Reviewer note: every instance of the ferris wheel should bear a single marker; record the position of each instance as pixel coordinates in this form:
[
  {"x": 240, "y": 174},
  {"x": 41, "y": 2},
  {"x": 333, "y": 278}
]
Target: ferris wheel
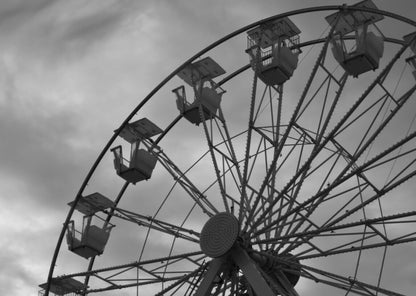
[{"x": 279, "y": 160}]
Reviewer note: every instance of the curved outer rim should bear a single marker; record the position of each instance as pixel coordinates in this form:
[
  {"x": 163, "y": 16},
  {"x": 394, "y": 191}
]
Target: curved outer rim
[{"x": 170, "y": 76}]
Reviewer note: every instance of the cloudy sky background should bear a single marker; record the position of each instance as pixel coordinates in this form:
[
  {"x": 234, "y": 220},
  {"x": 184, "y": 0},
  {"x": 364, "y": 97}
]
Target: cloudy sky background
[{"x": 70, "y": 72}]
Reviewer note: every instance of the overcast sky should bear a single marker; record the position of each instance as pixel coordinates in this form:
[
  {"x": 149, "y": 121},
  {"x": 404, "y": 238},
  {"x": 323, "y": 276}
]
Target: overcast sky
[{"x": 70, "y": 72}]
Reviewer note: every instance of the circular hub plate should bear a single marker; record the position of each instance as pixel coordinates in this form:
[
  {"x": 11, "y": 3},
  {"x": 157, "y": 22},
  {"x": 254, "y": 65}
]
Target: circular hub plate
[{"x": 219, "y": 235}]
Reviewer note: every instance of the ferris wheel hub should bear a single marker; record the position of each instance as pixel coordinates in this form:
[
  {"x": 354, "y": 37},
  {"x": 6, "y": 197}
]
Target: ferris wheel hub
[{"x": 219, "y": 234}]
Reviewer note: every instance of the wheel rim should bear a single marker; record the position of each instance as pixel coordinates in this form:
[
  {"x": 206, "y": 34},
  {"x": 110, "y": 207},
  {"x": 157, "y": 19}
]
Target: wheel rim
[{"x": 316, "y": 166}]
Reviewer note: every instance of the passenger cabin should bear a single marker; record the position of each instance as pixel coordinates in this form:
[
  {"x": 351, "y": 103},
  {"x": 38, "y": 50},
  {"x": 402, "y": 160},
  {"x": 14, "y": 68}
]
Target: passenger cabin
[
  {"x": 91, "y": 240},
  {"x": 207, "y": 94},
  {"x": 411, "y": 38},
  {"x": 357, "y": 44},
  {"x": 141, "y": 164},
  {"x": 273, "y": 50},
  {"x": 139, "y": 168}
]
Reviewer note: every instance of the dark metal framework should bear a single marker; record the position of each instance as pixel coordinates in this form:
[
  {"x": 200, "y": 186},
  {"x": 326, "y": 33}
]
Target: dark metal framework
[{"x": 308, "y": 184}]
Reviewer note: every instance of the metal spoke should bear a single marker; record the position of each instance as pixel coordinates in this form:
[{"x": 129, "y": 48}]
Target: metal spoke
[
  {"x": 181, "y": 281},
  {"x": 186, "y": 184},
  {"x": 248, "y": 142},
  {"x": 158, "y": 225},
  {"x": 288, "y": 129},
  {"x": 332, "y": 133},
  {"x": 325, "y": 192},
  {"x": 119, "y": 269},
  {"x": 344, "y": 283},
  {"x": 332, "y": 230}
]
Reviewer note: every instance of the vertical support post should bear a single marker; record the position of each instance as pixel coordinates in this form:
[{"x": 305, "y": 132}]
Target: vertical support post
[
  {"x": 250, "y": 271},
  {"x": 214, "y": 269}
]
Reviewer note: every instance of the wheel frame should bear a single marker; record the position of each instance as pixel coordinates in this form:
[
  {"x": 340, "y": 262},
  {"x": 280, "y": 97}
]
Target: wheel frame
[{"x": 106, "y": 148}]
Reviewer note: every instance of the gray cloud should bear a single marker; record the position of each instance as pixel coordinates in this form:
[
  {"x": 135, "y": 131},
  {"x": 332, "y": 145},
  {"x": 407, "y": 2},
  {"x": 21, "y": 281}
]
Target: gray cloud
[
  {"x": 14, "y": 12},
  {"x": 62, "y": 30},
  {"x": 34, "y": 148},
  {"x": 13, "y": 274},
  {"x": 24, "y": 252},
  {"x": 38, "y": 121}
]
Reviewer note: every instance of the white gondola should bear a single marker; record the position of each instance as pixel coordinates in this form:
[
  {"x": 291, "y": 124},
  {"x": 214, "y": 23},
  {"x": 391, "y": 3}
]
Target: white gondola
[
  {"x": 207, "y": 93},
  {"x": 357, "y": 45},
  {"x": 366, "y": 55},
  {"x": 139, "y": 168},
  {"x": 209, "y": 99},
  {"x": 273, "y": 50},
  {"x": 141, "y": 164},
  {"x": 90, "y": 241}
]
